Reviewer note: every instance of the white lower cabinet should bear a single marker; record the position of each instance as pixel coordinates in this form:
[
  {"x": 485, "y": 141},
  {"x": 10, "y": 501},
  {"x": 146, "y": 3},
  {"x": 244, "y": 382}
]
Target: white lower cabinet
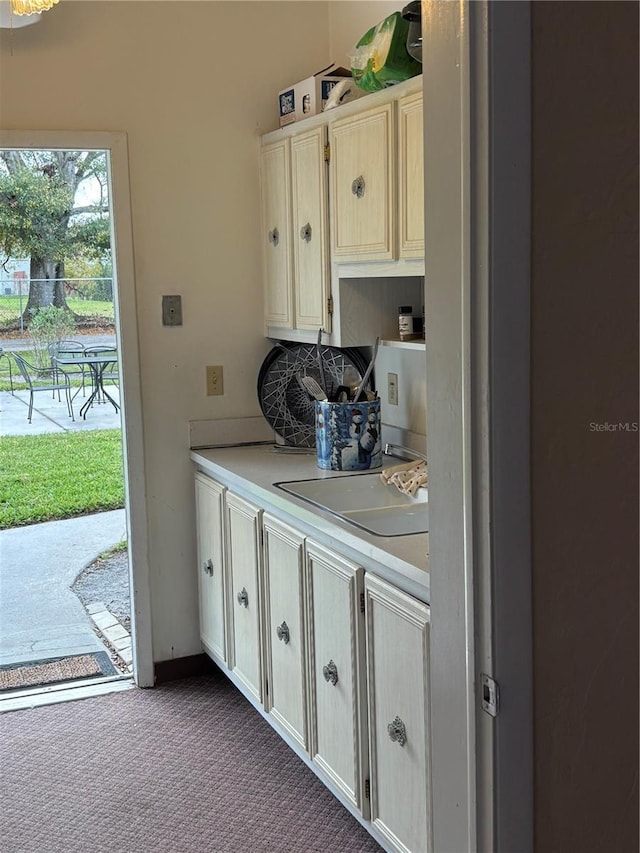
[
  {"x": 336, "y": 658},
  {"x": 244, "y": 564},
  {"x": 211, "y": 567},
  {"x": 398, "y": 679},
  {"x": 336, "y": 671},
  {"x": 285, "y": 641}
]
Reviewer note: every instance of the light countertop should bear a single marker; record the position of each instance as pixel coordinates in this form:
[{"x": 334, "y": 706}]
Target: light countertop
[{"x": 252, "y": 471}]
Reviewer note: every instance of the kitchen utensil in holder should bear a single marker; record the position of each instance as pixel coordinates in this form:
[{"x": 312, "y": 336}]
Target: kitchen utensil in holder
[{"x": 348, "y": 435}]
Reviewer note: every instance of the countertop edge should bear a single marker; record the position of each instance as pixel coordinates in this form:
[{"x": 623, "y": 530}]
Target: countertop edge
[{"x": 251, "y": 473}]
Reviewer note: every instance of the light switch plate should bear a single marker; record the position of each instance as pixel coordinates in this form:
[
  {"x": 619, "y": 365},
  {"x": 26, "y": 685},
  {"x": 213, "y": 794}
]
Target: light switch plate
[
  {"x": 392, "y": 389},
  {"x": 171, "y": 310},
  {"x": 215, "y": 380}
]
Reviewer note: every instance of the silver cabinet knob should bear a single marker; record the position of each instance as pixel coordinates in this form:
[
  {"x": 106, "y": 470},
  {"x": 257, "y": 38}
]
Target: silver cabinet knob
[
  {"x": 207, "y": 567},
  {"x": 305, "y": 233},
  {"x": 397, "y": 731},
  {"x": 243, "y": 597},
  {"x": 283, "y": 632},
  {"x": 274, "y": 237},
  {"x": 330, "y": 672},
  {"x": 358, "y": 186}
]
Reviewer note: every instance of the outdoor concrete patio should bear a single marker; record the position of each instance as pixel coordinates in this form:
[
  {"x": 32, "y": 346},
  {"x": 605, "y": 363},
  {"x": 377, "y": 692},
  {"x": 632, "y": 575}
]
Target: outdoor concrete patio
[
  {"x": 40, "y": 616},
  {"x": 50, "y": 414}
]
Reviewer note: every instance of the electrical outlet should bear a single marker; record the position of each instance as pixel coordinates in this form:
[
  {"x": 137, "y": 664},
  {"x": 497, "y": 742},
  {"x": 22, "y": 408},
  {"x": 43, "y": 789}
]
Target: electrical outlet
[
  {"x": 215, "y": 384},
  {"x": 392, "y": 388}
]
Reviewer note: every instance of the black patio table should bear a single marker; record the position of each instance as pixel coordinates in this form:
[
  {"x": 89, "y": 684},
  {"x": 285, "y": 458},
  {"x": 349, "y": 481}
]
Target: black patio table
[{"x": 97, "y": 364}]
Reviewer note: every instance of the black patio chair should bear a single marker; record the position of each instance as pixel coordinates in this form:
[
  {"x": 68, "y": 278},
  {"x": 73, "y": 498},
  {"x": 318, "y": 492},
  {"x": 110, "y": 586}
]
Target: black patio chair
[
  {"x": 70, "y": 349},
  {"x": 4, "y": 354},
  {"x": 44, "y": 379}
]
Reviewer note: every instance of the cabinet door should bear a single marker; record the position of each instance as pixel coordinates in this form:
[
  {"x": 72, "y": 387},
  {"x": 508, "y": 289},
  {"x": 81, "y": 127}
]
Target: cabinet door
[
  {"x": 336, "y": 671},
  {"x": 398, "y": 678},
  {"x": 310, "y": 227},
  {"x": 276, "y": 233},
  {"x": 411, "y": 176},
  {"x": 211, "y": 578},
  {"x": 362, "y": 186},
  {"x": 285, "y": 644},
  {"x": 245, "y": 570}
]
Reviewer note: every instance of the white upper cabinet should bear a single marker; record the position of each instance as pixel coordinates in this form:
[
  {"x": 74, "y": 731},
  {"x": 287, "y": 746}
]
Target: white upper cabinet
[
  {"x": 294, "y": 232},
  {"x": 342, "y": 198},
  {"x": 362, "y": 186},
  {"x": 410, "y": 177},
  {"x": 276, "y": 234},
  {"x": 310, "y": 230}
]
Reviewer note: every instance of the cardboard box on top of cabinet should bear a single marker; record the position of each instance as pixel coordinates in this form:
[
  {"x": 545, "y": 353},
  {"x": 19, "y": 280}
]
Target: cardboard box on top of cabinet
[{"x": 308, "y": 97}]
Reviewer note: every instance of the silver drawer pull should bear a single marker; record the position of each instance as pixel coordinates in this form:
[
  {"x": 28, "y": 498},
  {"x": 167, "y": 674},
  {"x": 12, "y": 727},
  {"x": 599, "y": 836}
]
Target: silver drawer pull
[
  {"x": 330, "y": 672},
  {"x": 283, "y": 632},
  {"x": 305, "y": 233},
  {"x": 207, "y": 567},
  {"x": 397, "y": 731},
  {"x": 274, "y": 237},
  {"x": 243, "y": 597},
  {"x": 357, "y": 187}
]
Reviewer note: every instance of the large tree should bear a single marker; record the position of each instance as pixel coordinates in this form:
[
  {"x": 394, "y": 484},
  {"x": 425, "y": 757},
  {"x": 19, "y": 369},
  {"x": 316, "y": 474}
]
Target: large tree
[{"x": 39, "y": 216}]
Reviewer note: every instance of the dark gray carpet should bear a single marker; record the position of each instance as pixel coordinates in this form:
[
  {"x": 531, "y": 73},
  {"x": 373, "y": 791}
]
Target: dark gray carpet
[{"x": 188, "y": 767}]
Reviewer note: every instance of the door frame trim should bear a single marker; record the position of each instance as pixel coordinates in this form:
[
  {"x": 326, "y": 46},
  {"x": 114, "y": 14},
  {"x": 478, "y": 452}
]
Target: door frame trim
[
  {"x": 125, "y": 307},
  {"x": 476, "y": 80}
]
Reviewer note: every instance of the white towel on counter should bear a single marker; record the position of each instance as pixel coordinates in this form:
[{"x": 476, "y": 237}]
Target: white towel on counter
[{"x": 408, "y": 477}]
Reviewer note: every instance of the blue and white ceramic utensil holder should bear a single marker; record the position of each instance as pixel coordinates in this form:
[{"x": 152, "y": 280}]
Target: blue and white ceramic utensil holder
[{"x": 348, "y": 435}]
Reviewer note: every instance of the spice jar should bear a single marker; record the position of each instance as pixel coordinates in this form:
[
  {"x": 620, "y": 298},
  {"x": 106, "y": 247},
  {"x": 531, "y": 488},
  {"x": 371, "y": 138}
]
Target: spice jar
[{"x": 405, "y": 322}]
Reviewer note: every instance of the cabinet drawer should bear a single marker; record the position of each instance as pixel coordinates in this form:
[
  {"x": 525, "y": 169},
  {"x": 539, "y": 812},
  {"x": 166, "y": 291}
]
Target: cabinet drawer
[
  {"x": 245, "y": 564},
  {"x": 336, "y": 677},
  {"x": 285, "y": 643},
  {"x": 398, "y": 692},
  {"x": 211, "y": 573}
]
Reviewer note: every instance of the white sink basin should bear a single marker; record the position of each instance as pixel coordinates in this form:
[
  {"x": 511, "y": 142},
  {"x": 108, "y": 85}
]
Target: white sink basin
[{"x": 364, "y": 500}]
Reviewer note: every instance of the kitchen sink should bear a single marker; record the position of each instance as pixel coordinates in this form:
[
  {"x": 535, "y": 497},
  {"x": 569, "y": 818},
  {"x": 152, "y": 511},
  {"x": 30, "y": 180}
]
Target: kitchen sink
[{"x": 367, "y": 502}]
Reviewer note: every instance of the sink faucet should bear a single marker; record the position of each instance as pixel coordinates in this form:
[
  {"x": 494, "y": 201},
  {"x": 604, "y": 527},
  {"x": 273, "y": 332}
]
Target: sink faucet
[{"x": 403, "y": 452}]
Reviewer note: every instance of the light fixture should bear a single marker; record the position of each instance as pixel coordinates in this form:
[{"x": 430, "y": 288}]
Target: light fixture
[{"x": 22, "y": 13}]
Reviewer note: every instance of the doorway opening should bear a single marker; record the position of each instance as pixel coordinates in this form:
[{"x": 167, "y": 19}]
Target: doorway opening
[{"x": 66, "y": 610}]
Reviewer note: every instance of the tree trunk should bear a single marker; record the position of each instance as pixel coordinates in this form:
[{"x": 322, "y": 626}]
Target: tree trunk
[
  {"x": 46, "y": 287},
  {"x": 59, "y": 296}
]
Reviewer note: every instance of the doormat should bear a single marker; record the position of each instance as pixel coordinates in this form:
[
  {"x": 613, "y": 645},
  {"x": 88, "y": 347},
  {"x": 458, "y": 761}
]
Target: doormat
[{"x": 55, "y": 670}]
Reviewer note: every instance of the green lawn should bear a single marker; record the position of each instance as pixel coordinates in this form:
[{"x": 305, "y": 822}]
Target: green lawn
[
  {"x": 59, "y": 475},
  {"x": 10, "y": 309}
]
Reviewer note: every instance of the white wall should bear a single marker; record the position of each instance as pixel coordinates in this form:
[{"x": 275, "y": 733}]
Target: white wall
[
  {"x": 349, "y": 20},
  {"x": 410, "y": 367},
  {"x": 193, "y": 85}
]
